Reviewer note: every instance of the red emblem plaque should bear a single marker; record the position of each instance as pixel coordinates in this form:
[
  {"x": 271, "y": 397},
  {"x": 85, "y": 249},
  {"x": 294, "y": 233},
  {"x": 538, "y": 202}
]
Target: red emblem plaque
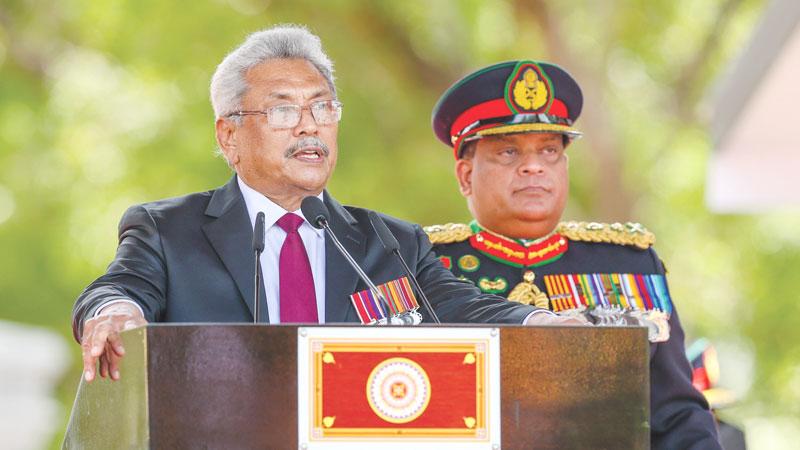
[{"x": 401, "y": 385}]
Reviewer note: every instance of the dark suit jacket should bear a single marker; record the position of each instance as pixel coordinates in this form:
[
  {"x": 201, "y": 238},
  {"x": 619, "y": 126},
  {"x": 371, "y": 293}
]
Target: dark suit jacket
[
  {"x": 679, "y": 414},
  {"x": 189, "y": 259}
]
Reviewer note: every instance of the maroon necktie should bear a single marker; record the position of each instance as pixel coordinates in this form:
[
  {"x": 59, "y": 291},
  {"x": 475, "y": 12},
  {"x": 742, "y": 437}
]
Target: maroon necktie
[{"x": 298, "y": 300}]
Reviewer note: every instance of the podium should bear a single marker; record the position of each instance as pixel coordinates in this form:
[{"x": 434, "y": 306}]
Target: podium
[{"x": 236, "y": 386}]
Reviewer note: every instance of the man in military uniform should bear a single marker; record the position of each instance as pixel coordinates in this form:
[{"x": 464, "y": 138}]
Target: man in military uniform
[{"x": 509, "y": 125}]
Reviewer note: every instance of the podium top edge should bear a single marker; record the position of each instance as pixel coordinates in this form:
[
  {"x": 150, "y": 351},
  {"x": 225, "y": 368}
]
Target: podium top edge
[{"x": 355, "y": 325}]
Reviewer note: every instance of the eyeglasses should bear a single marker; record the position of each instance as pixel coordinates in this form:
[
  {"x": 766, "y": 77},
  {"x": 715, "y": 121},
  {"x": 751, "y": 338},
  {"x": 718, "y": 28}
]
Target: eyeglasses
[{"x": 325, "y": 112}]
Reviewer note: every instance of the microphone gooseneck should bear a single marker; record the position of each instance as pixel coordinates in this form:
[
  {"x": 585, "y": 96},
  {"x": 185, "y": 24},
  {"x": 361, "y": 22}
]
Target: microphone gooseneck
[
  {"x": 386, "y": 237},
  {"x": 317, "y": 214},
  {"x": 391, "y": 245},
  {"x": 258, "y": 247}
]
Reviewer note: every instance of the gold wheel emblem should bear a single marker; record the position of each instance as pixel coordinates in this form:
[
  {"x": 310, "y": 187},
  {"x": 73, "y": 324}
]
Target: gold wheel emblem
[{"x": 398, "y": 390}]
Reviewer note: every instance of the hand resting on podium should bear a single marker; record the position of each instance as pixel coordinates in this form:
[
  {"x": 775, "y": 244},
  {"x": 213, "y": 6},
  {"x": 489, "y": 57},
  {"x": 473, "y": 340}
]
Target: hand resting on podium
[
  {"x": 101, "y": 341},
  {"x": 547, "y": 319}
]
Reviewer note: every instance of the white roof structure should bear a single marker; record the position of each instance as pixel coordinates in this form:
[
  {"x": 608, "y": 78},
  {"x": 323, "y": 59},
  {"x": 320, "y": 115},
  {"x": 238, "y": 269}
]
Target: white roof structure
[{"x": 755, "y": 165}]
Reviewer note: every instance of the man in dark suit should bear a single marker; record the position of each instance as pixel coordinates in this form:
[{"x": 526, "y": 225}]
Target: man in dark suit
[
  {"x": 509, "y": 125},
  {"x": 189, "y": 259}
]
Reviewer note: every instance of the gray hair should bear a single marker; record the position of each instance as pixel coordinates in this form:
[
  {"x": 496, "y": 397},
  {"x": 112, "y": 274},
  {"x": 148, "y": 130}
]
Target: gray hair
[{"x": 228, "y": 84}]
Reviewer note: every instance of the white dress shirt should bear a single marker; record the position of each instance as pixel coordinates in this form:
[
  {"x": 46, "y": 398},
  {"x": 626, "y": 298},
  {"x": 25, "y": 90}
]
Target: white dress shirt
[{"x": 313, "y": 241}]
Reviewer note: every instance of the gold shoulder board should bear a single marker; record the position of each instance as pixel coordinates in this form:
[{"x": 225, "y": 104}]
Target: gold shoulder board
[
  {"x": 628, "y": 233},
  {"x": 448, "y": 233}
]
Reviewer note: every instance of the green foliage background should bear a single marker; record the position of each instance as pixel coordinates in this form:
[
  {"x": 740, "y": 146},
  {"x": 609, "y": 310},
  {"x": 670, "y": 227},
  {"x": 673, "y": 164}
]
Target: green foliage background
[{"x": 105, "y": 103}]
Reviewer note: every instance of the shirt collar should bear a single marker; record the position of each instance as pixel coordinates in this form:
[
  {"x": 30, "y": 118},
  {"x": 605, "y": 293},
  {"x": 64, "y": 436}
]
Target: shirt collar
[{"x": 257, "y": 202}]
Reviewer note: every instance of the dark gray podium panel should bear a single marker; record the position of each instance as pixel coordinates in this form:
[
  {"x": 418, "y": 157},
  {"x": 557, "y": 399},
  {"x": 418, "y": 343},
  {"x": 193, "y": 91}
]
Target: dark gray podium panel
[
  {"x": 235, "y": 386},
  {"x": 575, "y": 388}
]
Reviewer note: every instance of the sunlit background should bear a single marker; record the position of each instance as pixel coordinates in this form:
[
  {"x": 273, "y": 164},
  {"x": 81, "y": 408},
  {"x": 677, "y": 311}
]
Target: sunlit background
[{"x": 104, "y": 104}]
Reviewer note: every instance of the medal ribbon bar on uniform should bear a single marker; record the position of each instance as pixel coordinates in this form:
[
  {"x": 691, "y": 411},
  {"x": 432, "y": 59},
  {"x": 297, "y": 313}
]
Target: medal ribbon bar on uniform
[
  {"x": 643, "y": 292},
  {"x": 399, "y": 296}
]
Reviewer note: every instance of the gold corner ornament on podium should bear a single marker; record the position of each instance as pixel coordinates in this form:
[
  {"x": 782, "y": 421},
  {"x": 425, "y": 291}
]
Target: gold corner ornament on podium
[
  {"x": 430, "y": 388},
  {"x": 549, "y": 273}
]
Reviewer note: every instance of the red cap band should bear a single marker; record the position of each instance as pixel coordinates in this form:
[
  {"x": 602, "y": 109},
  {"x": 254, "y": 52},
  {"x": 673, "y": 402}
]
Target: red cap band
[{"x": 486, "y": 110}]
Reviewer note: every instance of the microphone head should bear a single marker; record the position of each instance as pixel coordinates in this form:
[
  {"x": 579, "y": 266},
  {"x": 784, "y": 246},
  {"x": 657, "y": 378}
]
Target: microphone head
[
  {"x": 258, "y": 233},
  {"x": 384, "y": 234},
  {"x": 315, "y": 211}
]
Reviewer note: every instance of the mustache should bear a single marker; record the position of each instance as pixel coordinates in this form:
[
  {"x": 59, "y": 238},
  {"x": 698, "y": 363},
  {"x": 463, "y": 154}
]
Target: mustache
[{"x": 310, "y": 141}]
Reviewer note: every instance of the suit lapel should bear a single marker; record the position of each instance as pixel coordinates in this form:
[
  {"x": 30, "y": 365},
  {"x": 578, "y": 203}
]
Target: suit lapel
[
  {"x": 231, "y": 235},
  {"x": 340, "y": 278}
]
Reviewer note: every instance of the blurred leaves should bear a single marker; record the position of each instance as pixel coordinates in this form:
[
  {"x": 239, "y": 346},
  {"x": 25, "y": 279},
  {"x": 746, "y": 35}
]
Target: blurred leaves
[{"x": 105, "y": 104}]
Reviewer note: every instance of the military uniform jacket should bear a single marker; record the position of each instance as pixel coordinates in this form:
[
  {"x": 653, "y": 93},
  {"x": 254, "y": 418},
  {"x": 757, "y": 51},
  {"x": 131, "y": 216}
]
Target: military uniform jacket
[{"x": 679, "y": 416}]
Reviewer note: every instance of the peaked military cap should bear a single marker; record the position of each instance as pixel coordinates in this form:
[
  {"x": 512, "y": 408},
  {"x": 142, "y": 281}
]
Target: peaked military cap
[{"x": 509, "y": 97}]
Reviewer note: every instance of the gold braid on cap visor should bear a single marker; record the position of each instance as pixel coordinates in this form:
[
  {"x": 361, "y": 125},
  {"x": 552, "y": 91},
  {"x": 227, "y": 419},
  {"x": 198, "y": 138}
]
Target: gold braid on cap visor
[{"x": 519, "y": 123}]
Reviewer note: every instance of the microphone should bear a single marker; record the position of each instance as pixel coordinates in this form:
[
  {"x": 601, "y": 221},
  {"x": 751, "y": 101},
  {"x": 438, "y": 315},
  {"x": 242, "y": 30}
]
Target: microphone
[
  {"x": 315, "y": 212},
  {"x": 317, "y": 215},
  {"x": 392, "y": 246},
  {"x": 258, "y": 247}
]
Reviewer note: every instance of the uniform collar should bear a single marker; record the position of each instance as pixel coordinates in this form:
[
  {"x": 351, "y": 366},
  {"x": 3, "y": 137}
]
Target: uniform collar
[
  {"x": 478, "y": 228},
  {"x": 518, "y": 253}
]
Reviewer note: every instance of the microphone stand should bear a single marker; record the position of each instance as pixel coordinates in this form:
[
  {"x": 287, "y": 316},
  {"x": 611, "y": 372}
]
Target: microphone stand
[
  {"x": 384, "y": 303},
  {"x": 258, "y": 247},
  {"x": 256, "y": 303},
  {"x": 390, "y": 244},
  {"x": 314, "y": 209},
  {"x": 414, "y": 281}
]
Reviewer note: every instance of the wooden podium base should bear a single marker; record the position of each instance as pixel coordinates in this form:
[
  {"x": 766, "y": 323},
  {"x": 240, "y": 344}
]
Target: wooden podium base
[{"x": 235, "y": 386}]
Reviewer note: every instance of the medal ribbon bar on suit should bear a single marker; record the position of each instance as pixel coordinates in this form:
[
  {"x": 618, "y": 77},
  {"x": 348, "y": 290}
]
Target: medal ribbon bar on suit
[
  {"x": 367, "y": 306},
  {"x": 514, "y": 253},
  {"x": 399, "y": 295}
]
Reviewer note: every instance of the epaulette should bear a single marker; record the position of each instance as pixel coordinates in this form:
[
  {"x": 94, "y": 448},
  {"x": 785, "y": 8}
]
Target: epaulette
[
  {"x": 448, "y": 233},
  {"x": 629, "y": 233}
]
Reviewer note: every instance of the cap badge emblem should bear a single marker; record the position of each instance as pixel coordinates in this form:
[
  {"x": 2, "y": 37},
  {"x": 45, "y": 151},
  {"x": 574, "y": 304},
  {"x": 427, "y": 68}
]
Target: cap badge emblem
[{"x": 528, "y": 90}]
